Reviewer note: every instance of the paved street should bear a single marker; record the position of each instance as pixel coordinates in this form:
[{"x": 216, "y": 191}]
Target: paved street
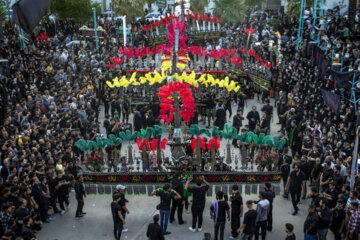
[{"x": 97, "y": 224}]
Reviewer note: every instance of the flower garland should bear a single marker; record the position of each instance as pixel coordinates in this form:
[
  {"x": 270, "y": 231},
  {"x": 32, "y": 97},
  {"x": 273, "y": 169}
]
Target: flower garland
[{"x": 166, "y": 104}]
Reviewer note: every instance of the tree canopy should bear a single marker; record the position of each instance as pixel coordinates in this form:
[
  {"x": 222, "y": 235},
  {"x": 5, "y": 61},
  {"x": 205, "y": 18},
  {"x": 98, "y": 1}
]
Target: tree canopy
[
  {"x": 130, "y": 8},
  {"x": 79, "y": 11},
  {"x": 231, "y": 10},
  {"x": 198, "y": 6}
]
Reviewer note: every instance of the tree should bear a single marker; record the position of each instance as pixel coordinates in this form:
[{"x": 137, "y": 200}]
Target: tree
[
  {"x": 79, "y": 11},
  {"x": 293, "y": 7},
  {"x": 231, "y": 10},
  {"x": 352, "y": 10},
  {"x": 198, "y": 6},
  {"x": 130, "y": 8},
  {"x": 254, "y": 2}
]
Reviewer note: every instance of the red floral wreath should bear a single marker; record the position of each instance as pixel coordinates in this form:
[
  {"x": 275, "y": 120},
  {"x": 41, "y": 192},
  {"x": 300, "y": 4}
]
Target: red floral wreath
[{"x": 166, "y": 105}]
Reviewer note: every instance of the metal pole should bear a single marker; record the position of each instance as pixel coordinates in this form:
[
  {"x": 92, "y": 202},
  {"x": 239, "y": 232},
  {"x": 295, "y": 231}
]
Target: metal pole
[
  {"x": 95, "y": 28},
  {"x": 182, "y": 10},
  {"x": 354, "y": 162},
  {"x": 8, "y": 9},
  {"x": 124, "y": 29}
]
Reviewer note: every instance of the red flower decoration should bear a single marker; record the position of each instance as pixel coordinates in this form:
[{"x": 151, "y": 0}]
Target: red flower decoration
[
  {"x": 187, "y": 108},
  {"x": 148, "y": 178},
  {"x": 238, "y": 178},
  {"x": 250, "y": 31},
  {"x": 123, "y": 178},
  {"x": 212, "y": 178},
  {"x": 43, "y": 36}
]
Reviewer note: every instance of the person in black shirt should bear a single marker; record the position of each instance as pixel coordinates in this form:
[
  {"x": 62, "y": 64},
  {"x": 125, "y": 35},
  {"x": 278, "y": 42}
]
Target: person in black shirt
[
  {"x": 199, "y": 198},
  {"x": 316, "y": 173},
  {"x": 40, "y": 199},
  {"x": 267, "y": 108},
  {"x": 237, "y": 123},
  {"x": 137, "y": 119},
  {"x": 337, "y": 178},
  {"x": 22, "y": 212},
  {"x": 27, "y": 232},
  {"x": 118, "y": 219},
  {"x": 236, "y": 211},
  {"x": 154, "y": 231},
  {"x": 311, "y": 223},
  {"x": 165, "y": 194},
  {"x": 297, "y": 183},
  {"x": 315, "y": 197},
  {"x": 285, "y": 170},
  {"x": 326, "y": 176},
  {"x": 324, "y": 219},
  {"x": 178, "y": 186},
  {"x": 254, "y": 118},
  {"x": 269, "y": 195},
  {"x": 80, "y": 195},
  {"x": 289, "y": 228},
  {"x": 249, "y": 223},
  {"x": 62, "y": 183},
  {"x": 331, "y": 194},
  {"x": 218, "y": 211},
  {"x": 338, "y": 220},
  {"x": 220, "y": 117}
]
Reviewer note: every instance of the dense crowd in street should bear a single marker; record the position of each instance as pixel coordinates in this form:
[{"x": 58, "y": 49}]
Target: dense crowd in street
[{"x": 53, "y": 95}]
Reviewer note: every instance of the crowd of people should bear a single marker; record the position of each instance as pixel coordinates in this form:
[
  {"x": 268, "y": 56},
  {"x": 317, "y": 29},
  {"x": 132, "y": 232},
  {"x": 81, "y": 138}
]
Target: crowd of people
[{"x": 52, "y": 95}]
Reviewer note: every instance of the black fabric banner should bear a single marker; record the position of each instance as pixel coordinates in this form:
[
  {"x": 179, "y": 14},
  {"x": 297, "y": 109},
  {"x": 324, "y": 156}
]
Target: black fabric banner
[
  {"x": 341, "y": 79},
  {"x": 165, "y": 177},
  {"x": 331, "y": 99}
]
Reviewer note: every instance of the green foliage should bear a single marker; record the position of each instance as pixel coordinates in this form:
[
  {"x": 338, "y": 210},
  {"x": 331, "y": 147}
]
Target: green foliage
[
  {"x": 293, "y": 7},
  {"x": 215, "y": 132},
  {"x": 129, "y": 8},
  {"x": 197, "y": 131},
  {"x": 229, "y": 133},
  {"x": 127, "y": 136},
  {"x": 116, "y": 141},
  {"x": 157, "y": 130},
  {"x": 79, "y": 11},
  {"x": 261, "y": 140},
  {"x": 242, "y": 138},
  {"x": 275, "y": 23},
  {"x": 232, "y": 10},
  {"x": 198, "y": 6},
  {"x": 254, "y": 2}
]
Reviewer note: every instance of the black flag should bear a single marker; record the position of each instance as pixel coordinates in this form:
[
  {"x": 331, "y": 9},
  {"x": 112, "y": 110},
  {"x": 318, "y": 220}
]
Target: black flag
[
  {"x": 28, "y": 13},
  {"x": 331, "y": 99},
  {"x": 341, "y": 79}
]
